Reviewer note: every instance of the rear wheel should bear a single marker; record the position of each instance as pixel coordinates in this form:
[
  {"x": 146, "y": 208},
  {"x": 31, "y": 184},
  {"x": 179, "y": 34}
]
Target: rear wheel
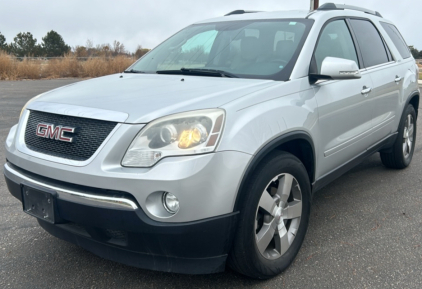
[
  {"x": 273, "y": 219},
  {"x": 404, "y": 146}
]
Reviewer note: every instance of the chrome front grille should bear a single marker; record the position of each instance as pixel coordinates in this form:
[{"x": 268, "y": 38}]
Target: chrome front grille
[{"x": 88, "y": 136}]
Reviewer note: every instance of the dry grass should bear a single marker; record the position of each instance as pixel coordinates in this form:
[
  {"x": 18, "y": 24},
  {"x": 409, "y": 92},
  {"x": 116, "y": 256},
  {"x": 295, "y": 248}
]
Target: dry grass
[
  {"x": 68, "y": 66},
  {"x": 8, "y": 68},
  {"x": 29, "y": 69},
  {"x": 420, "y": 68},
  {"x": 64, "y": 67}
]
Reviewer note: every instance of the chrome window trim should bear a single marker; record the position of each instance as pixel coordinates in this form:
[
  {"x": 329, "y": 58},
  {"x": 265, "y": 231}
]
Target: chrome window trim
[
  {"x": 120, "y": 202},
  {"x": 21, "y": 145},
  {"x": 381, "y": 65}
]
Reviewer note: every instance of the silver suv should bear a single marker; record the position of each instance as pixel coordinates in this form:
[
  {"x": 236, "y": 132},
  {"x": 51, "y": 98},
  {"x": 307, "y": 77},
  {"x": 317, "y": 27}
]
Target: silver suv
[{"x": 208, "y": 150}]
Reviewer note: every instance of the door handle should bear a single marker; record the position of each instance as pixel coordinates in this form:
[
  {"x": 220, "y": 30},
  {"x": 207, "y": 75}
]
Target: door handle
[
  {"x": 398, "y": 79},
  {"x": 366, "y": 90}
]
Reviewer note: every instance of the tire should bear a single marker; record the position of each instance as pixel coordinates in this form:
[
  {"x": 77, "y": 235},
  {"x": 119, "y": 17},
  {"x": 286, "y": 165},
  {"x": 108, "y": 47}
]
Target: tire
[
  {"x": 401, "y": 153},
  {"x": 250, "y": 255}
]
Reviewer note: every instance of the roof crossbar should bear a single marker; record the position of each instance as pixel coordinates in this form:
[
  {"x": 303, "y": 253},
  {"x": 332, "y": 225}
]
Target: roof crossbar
[
  {"x": 333, "y": 6},
  {"x": 235, "y": 12}
]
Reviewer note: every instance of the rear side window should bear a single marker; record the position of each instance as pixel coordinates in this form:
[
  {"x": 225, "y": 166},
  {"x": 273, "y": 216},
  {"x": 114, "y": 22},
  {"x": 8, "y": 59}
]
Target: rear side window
[
  {"x": 370, "y": 42},
  {"x": 397, "y": 39},
  {"x": 335, "y": 41}
]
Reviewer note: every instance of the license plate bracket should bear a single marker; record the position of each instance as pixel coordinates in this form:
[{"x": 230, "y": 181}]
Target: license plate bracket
[{"x": 39, "y": 203}]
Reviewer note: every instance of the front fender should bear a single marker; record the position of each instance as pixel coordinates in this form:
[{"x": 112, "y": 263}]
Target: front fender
[{"x": 256, "y": 119}]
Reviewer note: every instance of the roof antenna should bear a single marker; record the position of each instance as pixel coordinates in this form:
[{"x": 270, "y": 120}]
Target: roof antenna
[{"x": 314, "y": 5}]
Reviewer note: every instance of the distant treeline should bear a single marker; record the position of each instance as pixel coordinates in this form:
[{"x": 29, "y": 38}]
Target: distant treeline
[
  {"x": 53, "y": 45},
  {"x": 416, "y": 53}
]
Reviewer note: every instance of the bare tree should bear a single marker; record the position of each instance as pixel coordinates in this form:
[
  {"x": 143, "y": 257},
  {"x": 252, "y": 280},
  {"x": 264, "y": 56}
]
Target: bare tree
[
  {"x": 118, "y": 48},
  {"x": 141, "y": 51},
  {"x": 80, "y": 51}
]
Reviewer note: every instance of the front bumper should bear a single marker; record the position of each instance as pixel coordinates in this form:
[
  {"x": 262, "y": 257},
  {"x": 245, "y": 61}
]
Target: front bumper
[
  {"x": 206, "y": 185},
  {"x": 122, "y": 232}
]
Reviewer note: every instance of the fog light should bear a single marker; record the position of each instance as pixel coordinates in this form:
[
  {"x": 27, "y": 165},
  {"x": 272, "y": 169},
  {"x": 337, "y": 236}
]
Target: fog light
[{"x": 170, "y": 203}]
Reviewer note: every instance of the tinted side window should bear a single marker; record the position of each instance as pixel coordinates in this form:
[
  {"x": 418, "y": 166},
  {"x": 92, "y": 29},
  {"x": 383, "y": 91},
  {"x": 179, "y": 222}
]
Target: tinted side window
[
  {"x": 335, "y": 41},
  {"x": 397, "y": 39},
  {"x": 370, "y": 43}
]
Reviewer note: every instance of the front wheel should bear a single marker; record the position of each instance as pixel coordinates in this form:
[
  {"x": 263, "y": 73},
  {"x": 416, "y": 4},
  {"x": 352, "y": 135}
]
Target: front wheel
[
  {"x": 273, "y": 219},
  {"x": 404, "y": 146}
]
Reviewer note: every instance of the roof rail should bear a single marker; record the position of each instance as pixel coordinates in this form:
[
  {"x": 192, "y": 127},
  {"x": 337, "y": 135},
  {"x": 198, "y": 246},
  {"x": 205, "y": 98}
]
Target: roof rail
[
  {"x": 333, "y": 6},
  {"x": 235, "y": 12}
]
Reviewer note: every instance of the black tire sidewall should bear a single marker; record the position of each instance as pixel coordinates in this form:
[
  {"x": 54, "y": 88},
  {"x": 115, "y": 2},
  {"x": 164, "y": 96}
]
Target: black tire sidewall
[{"x": 399, "y": 142}]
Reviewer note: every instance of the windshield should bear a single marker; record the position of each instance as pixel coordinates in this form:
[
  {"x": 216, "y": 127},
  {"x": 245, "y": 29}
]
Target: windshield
[{"x": 265, "y": 49}]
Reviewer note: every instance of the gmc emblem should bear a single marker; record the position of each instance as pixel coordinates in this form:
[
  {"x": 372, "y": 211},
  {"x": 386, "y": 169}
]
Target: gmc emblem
[{"x": 54, "y": 132}]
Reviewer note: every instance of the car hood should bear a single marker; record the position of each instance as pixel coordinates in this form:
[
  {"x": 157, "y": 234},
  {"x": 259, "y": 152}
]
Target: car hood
[{"x": 145, "y": 97}]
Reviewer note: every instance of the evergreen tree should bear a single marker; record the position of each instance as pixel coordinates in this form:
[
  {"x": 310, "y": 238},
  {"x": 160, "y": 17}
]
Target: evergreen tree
[
  {"x": 3, "y": 44},
  {"x": 25, "y": 45},
  {"x": 414, "y": 52},
  {"x": 53, "y": 45}
]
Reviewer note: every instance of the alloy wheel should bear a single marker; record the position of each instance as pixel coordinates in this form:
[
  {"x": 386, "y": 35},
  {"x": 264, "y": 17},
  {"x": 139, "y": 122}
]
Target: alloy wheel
[
  {"x": 278, "y": 216},
  {"x": 409, "y": 128}
]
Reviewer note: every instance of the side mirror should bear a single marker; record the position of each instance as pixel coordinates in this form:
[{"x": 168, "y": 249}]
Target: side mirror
[{"x": 333, "y": 68}]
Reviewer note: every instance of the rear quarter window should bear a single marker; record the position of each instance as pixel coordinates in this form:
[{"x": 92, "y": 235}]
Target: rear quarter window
[
  {"x": 397, "y": 39},
  {"x": 370, "y": 42}
]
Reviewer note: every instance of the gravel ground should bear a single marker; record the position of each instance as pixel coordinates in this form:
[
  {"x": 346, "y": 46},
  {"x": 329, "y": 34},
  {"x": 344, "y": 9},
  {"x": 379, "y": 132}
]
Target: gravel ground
[{"x": 365, "y": 232}]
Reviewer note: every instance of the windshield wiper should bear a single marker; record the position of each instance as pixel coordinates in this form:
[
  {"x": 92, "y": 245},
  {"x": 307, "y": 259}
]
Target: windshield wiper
[
  {"x": 207, "y": 70},
  {"x": 133, "y": 71},
  {"x": 199, "y": 71}
]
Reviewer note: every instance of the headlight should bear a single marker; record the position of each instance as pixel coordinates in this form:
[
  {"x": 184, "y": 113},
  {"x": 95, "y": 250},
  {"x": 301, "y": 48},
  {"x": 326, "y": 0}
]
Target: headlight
[{"x": 187, "y": 133}]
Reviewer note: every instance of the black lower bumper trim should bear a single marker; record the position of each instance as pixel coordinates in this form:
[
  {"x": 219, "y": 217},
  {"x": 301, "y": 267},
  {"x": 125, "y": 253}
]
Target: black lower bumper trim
[{"x": 140, "y": 260}]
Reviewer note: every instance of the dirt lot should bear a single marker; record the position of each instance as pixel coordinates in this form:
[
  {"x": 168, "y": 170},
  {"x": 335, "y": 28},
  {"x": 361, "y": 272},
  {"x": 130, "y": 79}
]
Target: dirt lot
[{"x": 365, "y": 232}]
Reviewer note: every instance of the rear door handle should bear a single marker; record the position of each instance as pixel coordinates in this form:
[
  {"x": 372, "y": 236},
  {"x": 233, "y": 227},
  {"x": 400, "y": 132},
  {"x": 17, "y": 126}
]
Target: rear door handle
[
  {"x": 398, "y": 79},
  {"x": 366, "y": 90}
]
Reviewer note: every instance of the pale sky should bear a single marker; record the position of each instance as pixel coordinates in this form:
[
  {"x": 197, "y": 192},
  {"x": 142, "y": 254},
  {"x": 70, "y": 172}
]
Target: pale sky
[{"x": 148, "y": 22}]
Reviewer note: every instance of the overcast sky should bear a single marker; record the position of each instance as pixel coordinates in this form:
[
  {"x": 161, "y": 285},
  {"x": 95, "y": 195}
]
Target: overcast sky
[{"x": 148, "y": 22}]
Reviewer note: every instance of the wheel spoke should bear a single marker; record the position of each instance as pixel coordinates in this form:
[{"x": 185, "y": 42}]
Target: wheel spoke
[
  {"x": 410, "y": 131},
  {"x": 284, "y": 188},
  {"x": 405, "y": 132},
  {"x": 264, "y": 236},
  {"x": 409, "y": 145},
  {"x": 282, "y": 243},
  {"x": 267, "y": 203},
  {"x": 409, "y": 120},
  {"x": 405, "y": 148},
  {"x": 293, "y": 210}
]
